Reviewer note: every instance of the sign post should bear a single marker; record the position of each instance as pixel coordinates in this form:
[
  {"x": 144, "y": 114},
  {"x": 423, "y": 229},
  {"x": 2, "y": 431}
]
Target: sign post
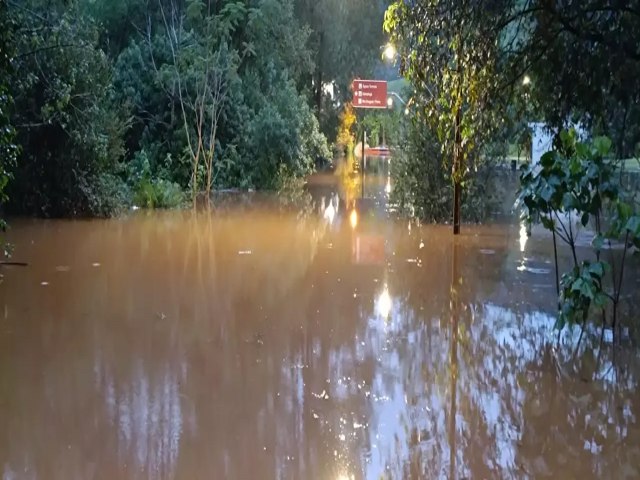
[{"x": 368, "y": 94}]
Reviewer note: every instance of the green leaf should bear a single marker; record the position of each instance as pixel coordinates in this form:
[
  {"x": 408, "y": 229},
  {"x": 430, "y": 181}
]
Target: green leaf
[
  {"x": 598, "y": 242},
  {"x": 547, "y": 192},
  {"x": 624, "y": 210},
  {"x": 582, "y": 150},
  {"x": 597, "y": 269},
  {"x": 633, "y": 225},
  {"x": 578, "y": 285},
  {"x": 568, "y": 201},
  {"x": 602, "y": 145},
  {"x": 548, "y": 159},
  {"x": 600, "y": 300}
]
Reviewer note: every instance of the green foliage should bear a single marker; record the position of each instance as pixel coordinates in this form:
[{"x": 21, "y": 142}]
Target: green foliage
[
  {"x": 106, "y": 195},
  {"x": 580, "y": 290},
  {"x": 450, "y": 55},
  {"x": 385, "y": 127},
  {"x": 67, "y": 126},
  {"x": 137, "y": 102},
  {"x": 577, "y": 185},
  {"x": 152, "y": 189},
  {"x": 576, "y": 176},
  {"x": 158, "y": 193},
  {"x": 422, "y": 181},
  {"x": 8, "y": 149}
]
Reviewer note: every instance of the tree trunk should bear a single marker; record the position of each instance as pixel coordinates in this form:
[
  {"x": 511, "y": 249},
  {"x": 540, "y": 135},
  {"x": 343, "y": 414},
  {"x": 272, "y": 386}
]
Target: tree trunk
[
  {"x": 319, "y": 79},
  {"x": 457, "y": 184}
]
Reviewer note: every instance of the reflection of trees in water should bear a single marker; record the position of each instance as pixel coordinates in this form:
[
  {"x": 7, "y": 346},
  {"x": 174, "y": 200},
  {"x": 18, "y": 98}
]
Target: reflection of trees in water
[
  {"x": 222, "y": 278},
  {"x": 177, "y": 303},
  {"x": 180, "y": 356},
  {"x": 515, "y": 417}
]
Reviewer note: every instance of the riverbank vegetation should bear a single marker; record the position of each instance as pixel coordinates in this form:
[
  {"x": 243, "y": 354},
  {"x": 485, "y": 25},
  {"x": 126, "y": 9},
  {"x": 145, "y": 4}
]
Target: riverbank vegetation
[{"x": 159, "y": 102}]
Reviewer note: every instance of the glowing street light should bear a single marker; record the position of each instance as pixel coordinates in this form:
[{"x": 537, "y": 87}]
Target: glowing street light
[{"x": 390, "y": 51}]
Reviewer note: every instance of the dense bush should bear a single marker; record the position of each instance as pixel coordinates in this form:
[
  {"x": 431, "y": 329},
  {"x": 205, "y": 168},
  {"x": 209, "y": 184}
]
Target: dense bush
[
  {"x": 142, "y": 102},
  {"x": 69, "y": 129},
  {"x": 423, "y": 183}
]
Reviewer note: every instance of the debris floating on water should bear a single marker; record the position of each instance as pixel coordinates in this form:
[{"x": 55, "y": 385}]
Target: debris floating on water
[
  {"x": 324, "y": 395},
  {"x": 245, "y": 252}
]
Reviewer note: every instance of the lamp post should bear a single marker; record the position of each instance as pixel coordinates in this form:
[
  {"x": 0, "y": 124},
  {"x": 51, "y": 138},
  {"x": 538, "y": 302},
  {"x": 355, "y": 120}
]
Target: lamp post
[{"x": 390, "y": 51}]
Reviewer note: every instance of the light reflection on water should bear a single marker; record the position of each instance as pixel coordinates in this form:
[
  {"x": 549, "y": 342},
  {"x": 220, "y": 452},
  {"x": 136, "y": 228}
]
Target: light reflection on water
[{"x": 183, "y": 356}]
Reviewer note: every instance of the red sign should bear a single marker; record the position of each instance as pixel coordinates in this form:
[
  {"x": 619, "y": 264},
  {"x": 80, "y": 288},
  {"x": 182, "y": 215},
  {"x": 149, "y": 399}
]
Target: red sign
[{"x": 369, "y": 94}]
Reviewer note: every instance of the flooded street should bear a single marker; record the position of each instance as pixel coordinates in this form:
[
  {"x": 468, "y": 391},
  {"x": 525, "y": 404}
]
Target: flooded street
[{"x": 319, "y": 342}]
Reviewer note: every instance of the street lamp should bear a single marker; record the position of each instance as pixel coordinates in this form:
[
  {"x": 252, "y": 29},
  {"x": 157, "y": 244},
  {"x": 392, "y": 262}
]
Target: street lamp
[{"x": 389, "y": 51}]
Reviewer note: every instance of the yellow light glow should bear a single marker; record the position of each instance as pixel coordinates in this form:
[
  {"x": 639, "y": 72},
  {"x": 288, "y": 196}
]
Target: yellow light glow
[
  {"x": 383, "y": 304},
  {"x": 353, "y": 219},
  {"x": 390, "y": 52},
  {"x": 526, "y": 80}
]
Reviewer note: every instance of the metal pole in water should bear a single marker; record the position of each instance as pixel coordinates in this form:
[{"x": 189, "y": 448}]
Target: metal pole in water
[{"x": 364, "y": 158}]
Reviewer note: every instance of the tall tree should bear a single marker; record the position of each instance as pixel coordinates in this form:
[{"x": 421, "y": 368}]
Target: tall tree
[
  {"x": 8, "y": 149},
  {"x": 449, "y": 54},
  {"x": 584, "y": 62},
  {"x": 66, "y": 125}
]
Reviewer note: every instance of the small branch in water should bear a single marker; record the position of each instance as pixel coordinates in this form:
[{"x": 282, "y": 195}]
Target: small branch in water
[
  {"x": 555, "y": 258},
  {"x": 584, "y": 323},
  {"x": 14, "y": 264}
]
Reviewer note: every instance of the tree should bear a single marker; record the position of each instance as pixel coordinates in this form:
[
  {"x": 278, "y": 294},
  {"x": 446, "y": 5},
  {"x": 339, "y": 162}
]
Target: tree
[
  {"x": 449, "y": 53},
  {"x": 69, "y": 130},
  {"x": 583, "y": 59},
  {"x": 8, "y": 149},
  {"x": 197, "y": 76},
  {"x": 346, "y": 136}
]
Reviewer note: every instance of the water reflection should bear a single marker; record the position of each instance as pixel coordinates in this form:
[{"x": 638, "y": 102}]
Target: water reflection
[{"x": 202, "y": 341}]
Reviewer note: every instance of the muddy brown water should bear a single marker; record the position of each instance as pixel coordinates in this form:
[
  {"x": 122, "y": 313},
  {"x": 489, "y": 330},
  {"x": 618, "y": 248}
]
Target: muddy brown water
[{"x": 260, "y": 342}]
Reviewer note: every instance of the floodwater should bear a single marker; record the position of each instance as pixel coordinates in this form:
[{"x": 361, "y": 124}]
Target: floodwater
[{"x": 304, "y": 341}]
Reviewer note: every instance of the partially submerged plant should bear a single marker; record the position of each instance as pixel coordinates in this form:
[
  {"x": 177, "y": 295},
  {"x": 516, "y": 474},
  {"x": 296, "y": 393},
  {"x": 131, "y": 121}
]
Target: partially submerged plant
[{"x": 576, "y": 184}]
